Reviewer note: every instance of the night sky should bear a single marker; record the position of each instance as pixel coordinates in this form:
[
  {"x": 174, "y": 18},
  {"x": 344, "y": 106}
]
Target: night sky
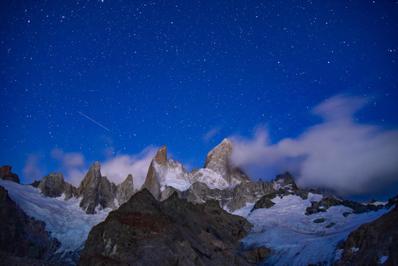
[{"x": 103, "y": 78}]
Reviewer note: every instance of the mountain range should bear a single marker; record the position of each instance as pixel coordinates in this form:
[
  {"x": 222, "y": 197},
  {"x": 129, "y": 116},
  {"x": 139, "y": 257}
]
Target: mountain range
[{"x": 215, "y": 215}]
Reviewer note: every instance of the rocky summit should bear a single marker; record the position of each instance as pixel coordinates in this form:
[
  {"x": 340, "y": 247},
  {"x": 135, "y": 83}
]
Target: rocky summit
[
  {"x": 96, "y": 190},
  {"x": 144, "y": 231},
  {"x": 219, "y": 160},
  {"x": 54, "y": 185}
]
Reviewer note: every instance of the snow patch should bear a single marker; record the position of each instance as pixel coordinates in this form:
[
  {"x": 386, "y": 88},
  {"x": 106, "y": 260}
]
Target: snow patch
[{"x": 211, "y": 178}]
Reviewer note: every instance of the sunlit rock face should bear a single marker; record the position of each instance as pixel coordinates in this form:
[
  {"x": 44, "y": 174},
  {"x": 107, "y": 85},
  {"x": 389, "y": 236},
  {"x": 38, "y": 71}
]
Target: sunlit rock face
[
  {"x": 164, "y": 172},
  {"x": 219, "y": 160},
  {"x": 95, "y": 191}
]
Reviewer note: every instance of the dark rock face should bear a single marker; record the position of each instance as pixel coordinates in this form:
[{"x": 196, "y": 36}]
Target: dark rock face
[
  {"x": 286, "y": 181},
  {"x": 125, "y": 190},
  {"x": 6, "y": 174},
  {"x": 374, "y": 243},
  {"x": 144, "y": 231},
  {"x": 256, "y": 255},
  {"x": 327, "y": 202},
  {"x": 248, "y": 192},
  {"x": 219, "y": 160},
  {"x": 35, "y": 183},
  {"x": 200, "y": 193},
  {"x": 96, "y": 190},
  {"x": 22, "y": 238},
  {"x": 264, "y": 202},
  {"x": 54, "y": 185}
]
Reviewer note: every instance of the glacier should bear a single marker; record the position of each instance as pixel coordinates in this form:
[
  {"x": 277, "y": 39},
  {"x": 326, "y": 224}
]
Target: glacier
[{"x": 294, "y": 237}]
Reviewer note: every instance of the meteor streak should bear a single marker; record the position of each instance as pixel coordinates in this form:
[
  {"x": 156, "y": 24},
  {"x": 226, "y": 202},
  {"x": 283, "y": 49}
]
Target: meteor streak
[{"x": 92, "y": 120}]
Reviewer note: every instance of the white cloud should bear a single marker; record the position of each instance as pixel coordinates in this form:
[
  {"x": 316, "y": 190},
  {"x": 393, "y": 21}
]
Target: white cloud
[
  {"x": 32, "y": 170},
  {"x": 338, "y": 154},
  {"x": 72, "y": 165},
  {"x": 117, "y": 168}
]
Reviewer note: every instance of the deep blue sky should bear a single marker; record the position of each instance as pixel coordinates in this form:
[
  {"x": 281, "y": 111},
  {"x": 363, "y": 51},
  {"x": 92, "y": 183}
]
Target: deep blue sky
[{"x": 166, "y": 72}]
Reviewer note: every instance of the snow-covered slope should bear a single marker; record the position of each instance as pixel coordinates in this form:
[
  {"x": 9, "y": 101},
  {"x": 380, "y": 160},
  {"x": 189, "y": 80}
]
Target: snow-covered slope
[
  {"x": 294, "y": 237},
  {"x": 172, "y": 174},
  {"x": 210, "y": 178},
  {"x": 64, "y": 219}
]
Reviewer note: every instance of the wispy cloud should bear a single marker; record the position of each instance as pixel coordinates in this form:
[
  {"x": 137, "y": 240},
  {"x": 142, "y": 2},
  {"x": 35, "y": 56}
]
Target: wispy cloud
[
  {"x": 209, "y": 135},
  {"x": 32, "y": 169},
  {"x": 338, "y": 153},
  {"x": 72, "y": 165}
]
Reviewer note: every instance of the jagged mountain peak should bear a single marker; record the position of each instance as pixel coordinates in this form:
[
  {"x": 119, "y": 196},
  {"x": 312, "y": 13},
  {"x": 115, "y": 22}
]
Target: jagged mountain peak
[
  {"x": 54, "y": 185},
  {"x": 285, "y": 180},
  {"x": 219, "y": 161},
  {"x": 96, "y": 190},
  {"x": 161, "y": 155},
  {"x": 125, "y": 190}
]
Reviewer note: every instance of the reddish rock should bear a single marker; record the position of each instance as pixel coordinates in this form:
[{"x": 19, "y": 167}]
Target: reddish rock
[{"x": 6, "y": 174}]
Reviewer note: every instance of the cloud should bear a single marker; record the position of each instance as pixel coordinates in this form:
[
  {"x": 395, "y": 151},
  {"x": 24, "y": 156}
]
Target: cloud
[
  {"x": 209, "y": 135},
  {"x": 117, "y": 168},
  {"x": 72, "y": 165},
  {"x": 32, "y": 170},
  {"x": 338, "y": 153}
]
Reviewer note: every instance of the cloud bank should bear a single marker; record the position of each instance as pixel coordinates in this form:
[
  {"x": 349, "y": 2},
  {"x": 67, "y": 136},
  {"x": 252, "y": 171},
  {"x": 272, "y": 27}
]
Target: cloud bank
[
  {"x": 117, "y": 168},
  {"x": 338, "y": 154}
]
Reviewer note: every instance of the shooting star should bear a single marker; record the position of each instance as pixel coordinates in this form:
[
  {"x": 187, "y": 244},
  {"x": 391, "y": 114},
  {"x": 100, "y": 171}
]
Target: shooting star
[{"x": 92, "y": 120}]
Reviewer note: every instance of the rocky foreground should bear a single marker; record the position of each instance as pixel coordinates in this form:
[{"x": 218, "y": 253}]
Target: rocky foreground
[{"x": 144, "y": 231}]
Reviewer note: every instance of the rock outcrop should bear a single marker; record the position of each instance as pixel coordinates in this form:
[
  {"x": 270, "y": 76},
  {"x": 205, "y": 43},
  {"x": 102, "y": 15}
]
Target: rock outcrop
[
  {"x": 6, "y": 174},
  {"x": 327, "y": 202},
  {"x": 54, "y": 185},
  {"x": 125, "y": 190},
  {"x": 144, "y": 231},
  {"x": 248, "y": 192},
  {"x": 96, "y": 191},
  {"x": 165, "y": 172},
  {"x": 22, "y": 238},
  {"x": 375, "y": 243},
  {"x": 219, "y": 160}
]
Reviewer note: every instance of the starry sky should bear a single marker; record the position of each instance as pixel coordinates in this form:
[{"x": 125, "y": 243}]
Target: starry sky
[{"x": 103, "y": 78}]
